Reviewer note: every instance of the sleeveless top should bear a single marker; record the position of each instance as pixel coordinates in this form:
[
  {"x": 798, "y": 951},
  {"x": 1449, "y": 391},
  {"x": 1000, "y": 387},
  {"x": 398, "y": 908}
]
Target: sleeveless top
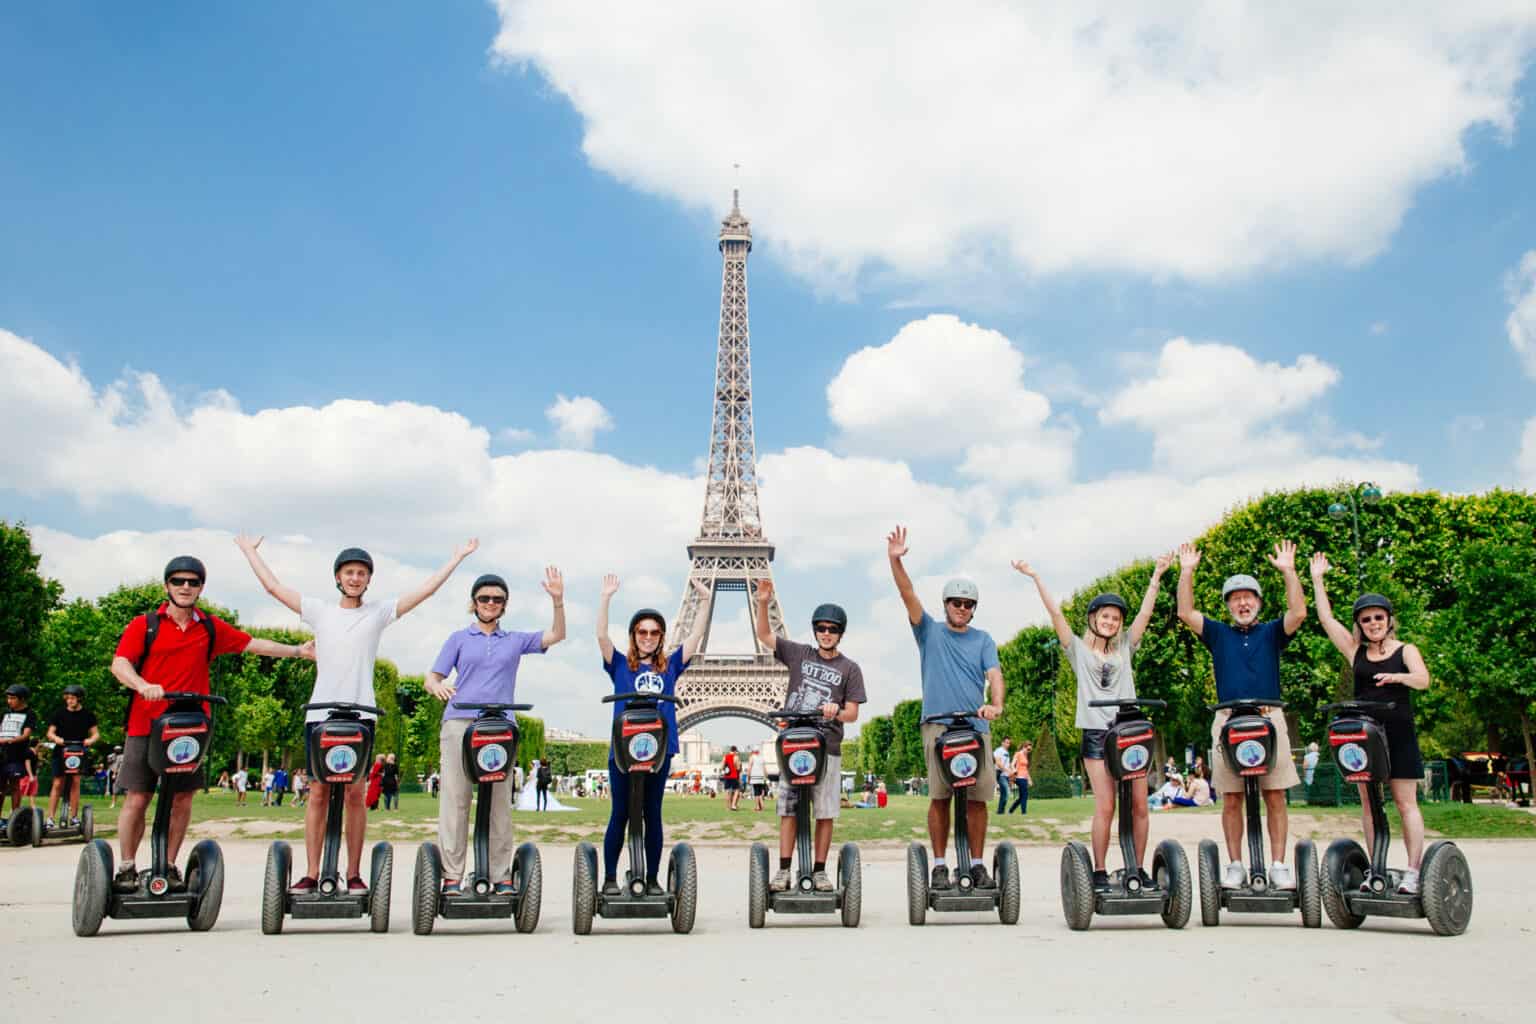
[{"x": 1400, "y": 694}]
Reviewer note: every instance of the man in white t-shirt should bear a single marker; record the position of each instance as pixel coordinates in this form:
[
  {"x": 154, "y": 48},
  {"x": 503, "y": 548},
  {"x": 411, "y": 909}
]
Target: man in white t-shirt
[
  {"x": 346, "y": 645},
  {"x": 241, "y": 780}
]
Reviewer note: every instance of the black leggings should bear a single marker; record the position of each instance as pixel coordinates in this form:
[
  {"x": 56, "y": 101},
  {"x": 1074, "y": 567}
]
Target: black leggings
[{"x": 618, "y": 819}]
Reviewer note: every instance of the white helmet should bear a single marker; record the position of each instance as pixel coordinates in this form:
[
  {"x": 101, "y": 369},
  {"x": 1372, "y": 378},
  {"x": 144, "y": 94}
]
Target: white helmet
[{"x": 962, "y": 588}]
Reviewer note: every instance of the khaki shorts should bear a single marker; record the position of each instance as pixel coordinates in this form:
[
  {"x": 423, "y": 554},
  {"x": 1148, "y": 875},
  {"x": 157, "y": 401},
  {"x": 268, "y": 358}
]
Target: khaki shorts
[
  {"x": 938, "y": 786},
  {"x": 825, "y": 792},
  {"x": 1282, "y": 774},
  {"x": 134, "y": 775}
]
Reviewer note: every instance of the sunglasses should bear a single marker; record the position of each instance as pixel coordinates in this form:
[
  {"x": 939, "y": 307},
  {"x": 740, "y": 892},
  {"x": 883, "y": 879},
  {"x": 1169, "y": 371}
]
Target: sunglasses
[
  {"x": 1373, "y": 618},
  {"x": 647, "y": 632},
  {"x": 490, "y": 599},
  {"x": 184, "y": 581},
  {"x": 962, "y": 604},
  {"x": 827, "y": 627}
]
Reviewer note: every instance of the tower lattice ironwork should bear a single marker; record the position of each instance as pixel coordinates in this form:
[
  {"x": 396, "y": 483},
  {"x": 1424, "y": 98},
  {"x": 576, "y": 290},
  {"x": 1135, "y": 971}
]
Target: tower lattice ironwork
[{"x": 730, "y": 551}]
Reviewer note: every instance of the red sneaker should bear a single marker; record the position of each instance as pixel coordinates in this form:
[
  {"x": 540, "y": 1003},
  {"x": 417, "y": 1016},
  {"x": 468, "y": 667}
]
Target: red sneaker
[
  {"x": 355, "y": 885},
  {"x": 304, "y": 885}
]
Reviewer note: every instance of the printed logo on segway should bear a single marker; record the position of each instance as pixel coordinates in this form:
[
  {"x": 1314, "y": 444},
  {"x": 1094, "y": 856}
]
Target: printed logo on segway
[
  {"x": 1250, "y": 755},
  {"x": 183, "y": 750},
  {"x": 802, "y": 762},
  {"x": 643, "y": 746},
  {"x": 1352, "y": 757},
  {"x": 650, "y": 683},
  {"x": 963, "y": 766},
  {"x": 340, "y": 760},
  {"x": 72, "y": 762},
  {"x": 492, "y": 757},
  {"x": 1135, "y": 757}
]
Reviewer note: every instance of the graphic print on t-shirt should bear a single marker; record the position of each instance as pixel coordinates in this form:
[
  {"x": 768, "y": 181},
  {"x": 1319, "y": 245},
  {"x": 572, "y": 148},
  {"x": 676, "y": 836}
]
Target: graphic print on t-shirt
[
  {"x": 650, "y": 682},
  {"x": 11, "y": 724},
  {"x": 815, "y": 686}
]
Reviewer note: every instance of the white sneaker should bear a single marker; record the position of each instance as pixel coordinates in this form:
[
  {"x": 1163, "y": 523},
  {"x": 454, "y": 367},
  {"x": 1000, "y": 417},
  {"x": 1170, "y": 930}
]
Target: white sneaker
[
  {"x": 1235, "y": 876},
  {"x": 1410, "y": 883},
  {"x": 1281, "y": 876}
]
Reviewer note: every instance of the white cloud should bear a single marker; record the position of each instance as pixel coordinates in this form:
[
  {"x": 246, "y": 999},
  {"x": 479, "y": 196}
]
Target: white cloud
[
  {"x": 1520, "y": 285},
  {"x": 514, "y": 435},
  {"x": 936, "y": 387},
  {"x": 1525, "y": 462},
  {"x": 1210, "y": 405},
  {"x": 577, "y": 420},
  {"x": 1203, "y": 142}
]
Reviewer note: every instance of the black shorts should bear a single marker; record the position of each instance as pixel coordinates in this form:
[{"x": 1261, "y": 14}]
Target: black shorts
[
  {"x": 1093, "y": 744},
  {"x": 731, "y": 784},
  {"x": 759, "y": 789},
  {"x": 1402, "y": 743}
]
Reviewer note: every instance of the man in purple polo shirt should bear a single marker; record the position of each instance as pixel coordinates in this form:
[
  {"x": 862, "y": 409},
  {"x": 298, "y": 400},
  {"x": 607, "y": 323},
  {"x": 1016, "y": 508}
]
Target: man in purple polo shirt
[{"x": 483, "y": 660}]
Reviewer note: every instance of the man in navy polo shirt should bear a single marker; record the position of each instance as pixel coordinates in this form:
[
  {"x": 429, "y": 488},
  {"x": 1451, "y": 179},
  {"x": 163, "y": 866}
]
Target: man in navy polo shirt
[{"x": 1246, "y": 660}]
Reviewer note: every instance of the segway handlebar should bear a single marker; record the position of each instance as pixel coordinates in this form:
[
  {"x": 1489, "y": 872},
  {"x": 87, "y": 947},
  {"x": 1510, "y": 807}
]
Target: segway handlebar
[
  {"x": 802, "y": 715},
  {"x": 492, "y": 707},
  {"x": 1248, "y": 702},
  {"x": 187, "y": 697},
  {"x": 614, "y": 698},
  {"x": 341, "y": 705},
  {"x": 1365, "y": 706},
  {"x": 1153, "y": 705}
]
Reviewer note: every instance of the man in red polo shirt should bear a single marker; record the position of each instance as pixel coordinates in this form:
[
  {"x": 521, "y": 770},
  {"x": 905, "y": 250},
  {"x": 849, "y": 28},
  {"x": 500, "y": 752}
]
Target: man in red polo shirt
[{"x": 177, "y": 661}]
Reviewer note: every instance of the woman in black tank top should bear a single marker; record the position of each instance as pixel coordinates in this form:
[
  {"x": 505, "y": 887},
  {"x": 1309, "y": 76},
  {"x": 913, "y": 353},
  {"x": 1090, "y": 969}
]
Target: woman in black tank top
[{"x": 1385, "y": 669}]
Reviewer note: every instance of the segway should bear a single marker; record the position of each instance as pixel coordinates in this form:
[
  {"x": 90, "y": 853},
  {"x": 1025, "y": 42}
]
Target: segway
[
  {"x": 490, "y": 751},
  {"x": 25, "y": 827},
  {"x": 1128, "y": 756},
  {"x": 1248, "y": 743},
  {"x": 639, "y": 749},
  {"x": 339, "y": 752},
  {"x": 82, "y": 825},
  {"x": 802, "y": 749},
  {"x": 178, "y": 742},
  {"x": 959, "y": 749},
  {"x": 1356, "y": 887}
]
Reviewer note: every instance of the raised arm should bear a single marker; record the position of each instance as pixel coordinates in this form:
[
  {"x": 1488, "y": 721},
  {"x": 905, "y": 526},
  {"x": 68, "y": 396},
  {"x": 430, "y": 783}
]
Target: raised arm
[
  {"x": 694, "y": 640},
  {"x": 604, "y": 641},
  {"x": 1052, "y": 608},
  {"x": 896, "y": 550},
  {"x": 286, "y": 596},
  {"x": 554, "y": 586},
  {"x": 762, "y": 594},
  {"x": 1149, "y": 599},
  {"x": 265, "y": 648},
  {"x": 409, "y": 601},
  {"x": 1284, "y": 559},
  {"x": 1339, "y": 633},
  {"x": 1189, "y": 557}
]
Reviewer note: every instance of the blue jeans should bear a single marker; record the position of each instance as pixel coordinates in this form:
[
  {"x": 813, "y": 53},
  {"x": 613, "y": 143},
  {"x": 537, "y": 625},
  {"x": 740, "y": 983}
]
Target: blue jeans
[
  {"x": 391, "y": 800},
  {"x": 1002, "y": 793},
  {"x": 618, "y": 819},
  {"x": 1021, "y": 795}
]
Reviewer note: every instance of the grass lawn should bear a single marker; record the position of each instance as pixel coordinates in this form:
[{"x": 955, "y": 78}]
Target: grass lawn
[{"x": 699, "y": 818}]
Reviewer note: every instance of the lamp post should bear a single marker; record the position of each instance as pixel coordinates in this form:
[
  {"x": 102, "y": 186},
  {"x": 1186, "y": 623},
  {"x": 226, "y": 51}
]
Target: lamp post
[{"x": 1369, "y": 495}]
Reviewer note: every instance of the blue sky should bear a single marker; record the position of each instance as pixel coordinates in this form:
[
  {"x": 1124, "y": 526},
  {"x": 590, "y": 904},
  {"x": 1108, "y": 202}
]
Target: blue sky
[{"x": 295, "y": 204}]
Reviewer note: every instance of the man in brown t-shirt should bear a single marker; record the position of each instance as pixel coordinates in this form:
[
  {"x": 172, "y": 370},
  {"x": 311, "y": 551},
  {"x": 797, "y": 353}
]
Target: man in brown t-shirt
[{"x": 820, "y": 677}]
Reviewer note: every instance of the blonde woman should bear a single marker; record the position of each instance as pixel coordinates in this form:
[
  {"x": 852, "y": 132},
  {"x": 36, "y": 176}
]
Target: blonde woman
[{"x": 1101, "y": 660}]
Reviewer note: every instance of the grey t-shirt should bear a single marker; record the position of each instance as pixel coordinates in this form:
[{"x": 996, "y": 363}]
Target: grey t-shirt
[
  {"x": 954, "y": 666},
  {"x": 1101, "y": 678},
  {"x": 814, "y": 681}
]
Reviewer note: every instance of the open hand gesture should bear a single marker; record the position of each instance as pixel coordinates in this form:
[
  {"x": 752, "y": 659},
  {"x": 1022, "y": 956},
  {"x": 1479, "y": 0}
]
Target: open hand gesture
[
  {"x": 1189, "y": 556},
  {"x": 896, "y": 543},
  {"x": 1284, "y": 557},
  {"x": 466, "y": 549},
  {"x": 763, "y": 591},
  {"x": 1024, "y": 568},
  {"x": 554, "y": 584},
  {"x": 1164, "y": 560},
  {"x": 1320, "y": 565},
  {"x": 245, "y": 542},
  {"x": 610, "y": 585},
  {"x": 442, "y": 690}
]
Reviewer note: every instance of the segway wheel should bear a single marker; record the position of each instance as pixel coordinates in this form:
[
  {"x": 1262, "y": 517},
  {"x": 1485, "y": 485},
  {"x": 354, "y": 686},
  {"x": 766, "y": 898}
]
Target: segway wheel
[
  {"x": 1309, "y": 886},
  {"x": 1210, "y": 883},
  {"x": 87, "y": 823},
  {"x": 683, "y": 883},
  {"x": 205, "y": 880},
  {"x": 93, "y": 888},
  {"x": 850, "y": 878},
  {"x": 426, "y": 885},
  {"x": 917, "y": 883},
  {"x": 1170, "y": 870},
  {"x": 1077, "y": 886},
  {"x": 528, "y": 880},
  {"x": 1005, "y": 868},
  {"x": 274, "y": 888},
  {"x": 757, "y": 885},
  {"x": 584, "y": 889},
  {"x": 1344, "y": 868},
  {"x": 381, "y": 876},
  {"x": 1446, "y": 882},
  {"x": 35, "y": 832},
  {"x": 16, "y": 829}
]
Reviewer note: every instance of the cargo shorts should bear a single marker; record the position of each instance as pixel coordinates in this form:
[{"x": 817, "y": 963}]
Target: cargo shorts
[{"x": 938, "y": 786}]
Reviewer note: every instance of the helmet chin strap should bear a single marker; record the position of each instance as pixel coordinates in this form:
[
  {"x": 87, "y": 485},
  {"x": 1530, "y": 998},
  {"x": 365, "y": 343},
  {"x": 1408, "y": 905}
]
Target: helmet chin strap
[{"x": 482, "y": 618}]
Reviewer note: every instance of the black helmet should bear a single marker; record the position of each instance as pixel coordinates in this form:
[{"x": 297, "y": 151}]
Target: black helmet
[
  {"x": 74, "y": 690},
  {"x": 830, "y": 613},
  {"x": 1365, "y": 601},
  {"x": 1109, "y": 601},
  {"x": 490, "y": 579},
  {"x": 18, "y": 690},
  {"x": 185, "y": 563},
  {"x": 352, "y": 555},
  {"x": 647, "y": 613}
]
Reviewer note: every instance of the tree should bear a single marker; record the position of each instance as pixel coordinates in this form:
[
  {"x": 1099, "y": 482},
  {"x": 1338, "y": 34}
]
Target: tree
[
  {"x": 26, "y": 598},
  {"x": 907, "y": 759},
  {"x": 259, "y": 722},
  {"x": 1048, "y": 780},
  {"x": 875, "y": 739}
]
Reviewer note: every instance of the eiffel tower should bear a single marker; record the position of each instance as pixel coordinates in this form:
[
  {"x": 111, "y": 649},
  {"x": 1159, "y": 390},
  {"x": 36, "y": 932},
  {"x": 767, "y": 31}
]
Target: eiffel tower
[{"x": 730, "y": 549}]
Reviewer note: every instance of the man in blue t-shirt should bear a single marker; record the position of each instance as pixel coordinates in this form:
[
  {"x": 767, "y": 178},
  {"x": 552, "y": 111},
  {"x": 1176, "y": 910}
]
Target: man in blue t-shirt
[
  {"x": 1245, "y": 657},
  {"x": 960, "y": 671}
]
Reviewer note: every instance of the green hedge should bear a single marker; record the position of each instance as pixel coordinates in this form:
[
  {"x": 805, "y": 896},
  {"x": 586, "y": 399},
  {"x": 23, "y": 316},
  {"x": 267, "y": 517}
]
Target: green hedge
[{"x": 572, "y": 757}]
